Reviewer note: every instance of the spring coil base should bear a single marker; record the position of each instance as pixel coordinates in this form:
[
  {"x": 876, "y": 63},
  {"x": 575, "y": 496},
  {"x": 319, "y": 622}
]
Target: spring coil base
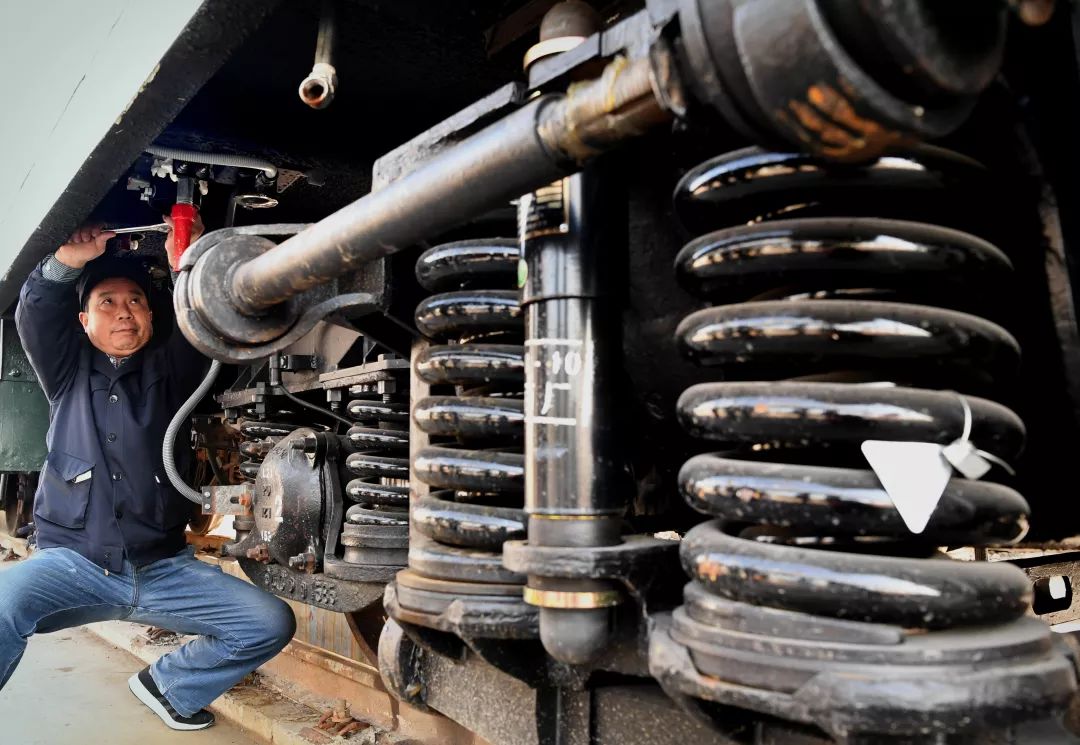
[
  {"x": 473, "y": 463},
  {"x": 376, "y": 529},
  {"x": 809, "y": 580}
]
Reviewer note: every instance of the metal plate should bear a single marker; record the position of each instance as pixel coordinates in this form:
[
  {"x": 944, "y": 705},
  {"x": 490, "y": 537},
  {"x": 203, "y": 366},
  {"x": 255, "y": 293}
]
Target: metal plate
[{"x": 24, "y": 411}]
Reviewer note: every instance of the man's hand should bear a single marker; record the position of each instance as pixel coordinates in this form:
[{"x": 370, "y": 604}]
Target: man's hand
[
  {"x": 197, "y": 229},
  {"x": 85, "y": 245}
]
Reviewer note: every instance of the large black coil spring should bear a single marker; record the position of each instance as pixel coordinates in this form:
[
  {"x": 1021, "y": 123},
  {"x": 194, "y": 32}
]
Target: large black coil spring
[
  {"x": 474, "y": 462},
  {"x": 833, "y": 325},
  {"x": 379, "y": 465}
]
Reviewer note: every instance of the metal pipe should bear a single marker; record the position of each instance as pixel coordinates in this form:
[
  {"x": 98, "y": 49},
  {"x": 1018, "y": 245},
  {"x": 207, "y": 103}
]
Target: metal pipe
[
  {"x": 214, "y": 159},
  {"x": 318, "y": 88},
  {"x": 168, "y": 459},
  {"x": 536, "y": 145}
]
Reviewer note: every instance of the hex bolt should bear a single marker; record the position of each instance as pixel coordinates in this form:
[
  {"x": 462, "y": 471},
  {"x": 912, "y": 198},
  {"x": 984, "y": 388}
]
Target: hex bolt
[
  {"x": 304, "y": 562},
  {"x": 260, "y": 553}
]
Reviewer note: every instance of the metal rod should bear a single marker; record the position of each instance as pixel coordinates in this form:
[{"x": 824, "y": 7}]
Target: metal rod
[
  {"x": 536, "y": 145},
  {"x": 318, "y": 89},
  {"x": 161, "y": 227}
]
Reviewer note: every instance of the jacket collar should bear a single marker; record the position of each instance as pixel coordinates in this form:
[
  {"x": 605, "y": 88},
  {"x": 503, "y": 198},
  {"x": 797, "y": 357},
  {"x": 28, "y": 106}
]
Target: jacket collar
[{"x": 104, "y": 365}]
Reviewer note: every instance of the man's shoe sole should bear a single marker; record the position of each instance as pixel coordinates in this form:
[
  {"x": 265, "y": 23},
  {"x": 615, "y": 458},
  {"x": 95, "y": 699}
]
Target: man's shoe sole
[{"x": 135, "y": 686}]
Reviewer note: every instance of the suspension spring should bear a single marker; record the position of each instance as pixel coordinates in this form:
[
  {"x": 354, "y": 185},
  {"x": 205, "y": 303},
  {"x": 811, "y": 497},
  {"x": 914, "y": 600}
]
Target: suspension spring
[
  {"x": 473, "y": 462},
  {"x": 376, "y": 527},
  {"x": 258, "y": 438},
  {"x": 832, "y": 325}
]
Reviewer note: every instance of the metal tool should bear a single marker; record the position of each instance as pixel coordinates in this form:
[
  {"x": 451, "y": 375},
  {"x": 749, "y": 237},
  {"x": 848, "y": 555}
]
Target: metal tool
[{"x": 161, "y": 227}]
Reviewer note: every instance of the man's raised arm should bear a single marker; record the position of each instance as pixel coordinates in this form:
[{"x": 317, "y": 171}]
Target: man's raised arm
[{"x": 48, "y": 310}]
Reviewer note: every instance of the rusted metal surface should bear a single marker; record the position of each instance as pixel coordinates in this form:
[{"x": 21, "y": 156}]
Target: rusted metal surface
[
  {"x": 596, "y": 115},
  {"x": 227, "y": 500},
  {"x": 824, "y": 75},
  {"x": 1056, "y": 581},
  {"x": 318, "y": 88},
  {"x": 339, "y": 722},
  {"x": 376, "y": 372},
  {"x": 1034, "y": 12},
  {"x": 325, "y": 659},
  {"x": 917, "y": 685}
]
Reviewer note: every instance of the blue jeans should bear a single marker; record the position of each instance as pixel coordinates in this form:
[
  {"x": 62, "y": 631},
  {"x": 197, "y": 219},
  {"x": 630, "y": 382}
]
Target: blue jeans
[{"x": 240, "y": 626}]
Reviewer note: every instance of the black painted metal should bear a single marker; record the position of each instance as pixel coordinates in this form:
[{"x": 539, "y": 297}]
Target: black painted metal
[
  {"x": 826, "y": 542},
  {"x": 259, "y": 437},
  {"x": 460, "y": 182},
  {"x": 376, "y": 528},
  {"x": 570, "y": 353},
  {"x": 573, "y": 489},
  {"x": 622, "y": 712},
  {"x": 846, "y": 83},
  {"x": 320, "y": 590},
  {"x": 477, "y": 476},
  {"x": 472, "y": 460}
]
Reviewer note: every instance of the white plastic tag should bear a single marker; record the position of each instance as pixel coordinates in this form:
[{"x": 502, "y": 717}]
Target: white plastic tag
[
  {"x": 914, "y": 475},
  {"x": 84, "y": 476},
  {"x": 965, "y": 458}
]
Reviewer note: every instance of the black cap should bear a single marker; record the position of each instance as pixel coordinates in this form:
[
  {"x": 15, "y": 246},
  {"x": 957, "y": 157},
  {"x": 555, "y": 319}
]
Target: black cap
[{"x": 108, "y": 267}]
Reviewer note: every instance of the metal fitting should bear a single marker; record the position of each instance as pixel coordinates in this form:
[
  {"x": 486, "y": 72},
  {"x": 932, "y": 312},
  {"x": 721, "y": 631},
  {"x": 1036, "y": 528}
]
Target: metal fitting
[
  {"x": 260, "y": 553},
  {"x": 317, "y": 89},
  {"x": 304, "y": 562}
]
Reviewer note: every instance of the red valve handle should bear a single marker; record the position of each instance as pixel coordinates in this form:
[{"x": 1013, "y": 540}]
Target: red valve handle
[{"x": 183, "y": 217}]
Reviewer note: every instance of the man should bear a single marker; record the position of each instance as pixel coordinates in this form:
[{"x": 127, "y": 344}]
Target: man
[{"x": 110, "y": 528}]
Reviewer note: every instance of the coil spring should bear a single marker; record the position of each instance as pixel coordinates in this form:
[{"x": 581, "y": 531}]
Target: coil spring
[
  {"x": 477, "y": 468},
  {"x": 813, "y": 308},
  {"x": 258, "y": 438},
  {"x": 380, "y": 461}
]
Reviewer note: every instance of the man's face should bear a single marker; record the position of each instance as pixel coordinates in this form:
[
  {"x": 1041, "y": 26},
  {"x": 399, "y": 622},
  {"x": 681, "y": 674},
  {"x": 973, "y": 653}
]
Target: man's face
[{"x": 117, "y": 317}]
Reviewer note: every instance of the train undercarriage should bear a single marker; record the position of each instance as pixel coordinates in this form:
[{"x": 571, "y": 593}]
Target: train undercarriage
[{"x": 679, "y": 371}]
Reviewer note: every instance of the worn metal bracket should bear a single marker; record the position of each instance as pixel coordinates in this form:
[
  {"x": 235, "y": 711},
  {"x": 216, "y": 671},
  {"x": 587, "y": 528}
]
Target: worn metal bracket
[
  {"x": 208, "y": 320},
  {"x": 227, "y": 500},
  {"x": 320, "y": 590}
]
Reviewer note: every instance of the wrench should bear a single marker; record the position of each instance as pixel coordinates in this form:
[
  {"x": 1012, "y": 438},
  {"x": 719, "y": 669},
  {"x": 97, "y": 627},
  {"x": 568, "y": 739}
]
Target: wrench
[{"x": 161, "y": 227}]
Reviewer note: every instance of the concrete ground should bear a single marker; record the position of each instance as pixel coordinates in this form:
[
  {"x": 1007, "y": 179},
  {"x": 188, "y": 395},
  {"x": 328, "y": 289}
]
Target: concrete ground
[
  {"x": 71, "y": 689},
  {"x": 71, "y": 685}
]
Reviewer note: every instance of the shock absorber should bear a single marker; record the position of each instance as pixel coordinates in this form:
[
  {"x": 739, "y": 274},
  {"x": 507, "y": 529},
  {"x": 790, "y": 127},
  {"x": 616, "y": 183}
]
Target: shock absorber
[
  {"x": 574, "y": 494},
  {"x": 472, "y": 464},
  {"x": 833, "y": 324},
  {"x": 376, "y": 530}
]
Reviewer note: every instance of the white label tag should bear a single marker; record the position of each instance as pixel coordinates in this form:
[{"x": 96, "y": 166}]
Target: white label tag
[
  {"x": 965, "y": 458},
  {"x": 82, "y": 477},
  {"x": 914, "y": 475}
]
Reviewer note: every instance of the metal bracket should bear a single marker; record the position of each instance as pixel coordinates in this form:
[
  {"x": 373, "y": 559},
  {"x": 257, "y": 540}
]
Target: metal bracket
[
  {"x": 227, "y": 500},
  {"x": 299, "y": 362},
  {"x": 218, "y": 330}
]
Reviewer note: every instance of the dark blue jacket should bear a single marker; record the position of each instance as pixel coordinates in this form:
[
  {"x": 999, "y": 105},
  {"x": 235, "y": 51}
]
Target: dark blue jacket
[{"x": 103, "y": 490}]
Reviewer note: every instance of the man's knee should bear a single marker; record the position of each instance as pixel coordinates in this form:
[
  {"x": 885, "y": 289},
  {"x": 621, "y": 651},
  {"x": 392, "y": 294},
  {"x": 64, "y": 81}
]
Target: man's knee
[
  {"x": 16, "y": 612},
  {"x": 279, "y": 624}
]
